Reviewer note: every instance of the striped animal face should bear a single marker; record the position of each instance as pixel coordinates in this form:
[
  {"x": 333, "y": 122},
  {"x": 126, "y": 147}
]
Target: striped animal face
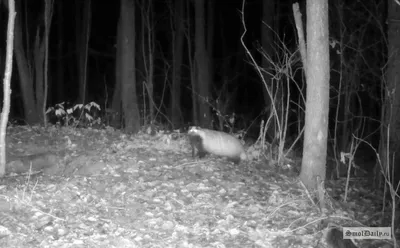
[
  {"x": 194, "y": 129},
  {"x": 196, "y": 141}
]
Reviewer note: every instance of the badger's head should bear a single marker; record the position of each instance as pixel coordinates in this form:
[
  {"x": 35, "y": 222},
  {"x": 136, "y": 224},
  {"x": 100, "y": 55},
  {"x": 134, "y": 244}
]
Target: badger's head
[{"x": 195, "y": 131}]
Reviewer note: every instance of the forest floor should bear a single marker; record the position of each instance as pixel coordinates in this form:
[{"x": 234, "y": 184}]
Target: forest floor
[{"x": 68, "y": 187}]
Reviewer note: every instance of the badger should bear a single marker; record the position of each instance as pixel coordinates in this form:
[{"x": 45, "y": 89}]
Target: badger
[{"x": 217, "y": 143}]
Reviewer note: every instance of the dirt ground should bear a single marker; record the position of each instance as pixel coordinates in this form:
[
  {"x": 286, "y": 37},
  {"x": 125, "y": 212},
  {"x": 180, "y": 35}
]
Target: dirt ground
[{"x": 68, "y": 187}]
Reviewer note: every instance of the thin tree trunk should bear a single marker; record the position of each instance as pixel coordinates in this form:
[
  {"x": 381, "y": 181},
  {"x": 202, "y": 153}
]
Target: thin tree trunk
[
  {"x": 78, "y": 44},
  {"x": 48, "y": 15},
  {"x": 116, "y": 117},
  {"x": 116, "y": 98},
  {"x": 210, "y": 37},
  {"x": 128, "y": 73},
  {"x": 192, "y": 65},
  {"x": 150, "y": 49},
  {"x": 83, "y": 33},
  {"x": 177, "y": 43},
  {"x": 317, "y": 104},
  {"x": 60, "y": 46},
  {"x": 7, "y": 86},
  {"x": 39, "y": 52},
  {"x": 390, "y": 139},
  {"x": 202, "y": 66}
]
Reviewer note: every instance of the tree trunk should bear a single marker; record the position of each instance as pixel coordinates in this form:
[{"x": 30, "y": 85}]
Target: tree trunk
[
  {"x": 390, "y": 139},
  {"x": 177, "y": 42},
  {"x": 7, "y": 86},
  {"x": 48, "y": 15},
  {"x": 116, "y": 117},
  {"x": 148, "y": 42},
  {"x": 83, "y": 24},
  {"x": 60, "y": 45},
  {"x": 317, "y": 103},
  {"x": 128, "y": 73},
  {"x": 192, "y": 65},
  {"x": 38, "y": 52},
  {"x": 115, "y": 113},
  {"x": 203, "y": 79},
  {"x": 210, "y": 37},
  {"x": 24, "y": 72}
]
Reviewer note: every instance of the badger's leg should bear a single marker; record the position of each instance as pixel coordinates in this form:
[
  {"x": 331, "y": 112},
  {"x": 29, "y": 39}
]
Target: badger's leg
[
  {"x": 201, "y": 154},
  {"x": 193, "y": 152},
  {"x": 195, "y": 144},
  {"x": 234, "y": 160}
]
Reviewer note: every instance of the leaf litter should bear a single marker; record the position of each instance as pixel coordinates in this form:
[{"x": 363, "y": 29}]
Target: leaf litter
[{"x": 110, "y": 189}]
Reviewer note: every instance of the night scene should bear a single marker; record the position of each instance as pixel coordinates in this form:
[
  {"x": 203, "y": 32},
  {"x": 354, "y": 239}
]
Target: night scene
[{"x": 200, "y": 123}]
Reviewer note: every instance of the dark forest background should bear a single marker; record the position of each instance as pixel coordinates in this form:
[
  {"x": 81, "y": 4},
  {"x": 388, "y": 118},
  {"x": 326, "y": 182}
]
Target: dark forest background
[
  {"x": 230, "y": 64},
  {"x": 84, "y": 65}
]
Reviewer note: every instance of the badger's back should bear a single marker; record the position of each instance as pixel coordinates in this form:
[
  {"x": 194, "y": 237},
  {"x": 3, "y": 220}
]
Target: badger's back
[{"x": 217, "y": 143}]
